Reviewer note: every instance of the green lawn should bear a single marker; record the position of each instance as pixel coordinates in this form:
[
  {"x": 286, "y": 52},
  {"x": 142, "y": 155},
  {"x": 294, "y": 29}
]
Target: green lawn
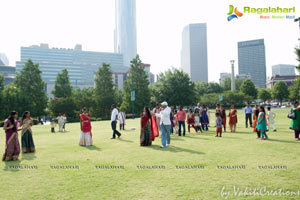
[{"x": 87, "y": 182}]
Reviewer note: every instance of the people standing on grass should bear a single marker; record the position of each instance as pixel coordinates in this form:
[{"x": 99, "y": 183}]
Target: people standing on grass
[
  {"x": 113, "y": 118},
  {"x": 86, "y": 138},
  {"x": 27, "y": 139},
  {"x": 223, "y": 116},
  {"x": 295, "y": 123},
  {"x": 65, "y": 121},
  {"x": 165, "y": 124},
  {"x": 12, "y": 145},
  {"x": 122, "y": 118},
  {"x": 255, "y": 117},
  {"x": 146, "y": 124},
  {"x": 61, "y": 122},
  {"x": 197, "y": 119},
  {"x": 180, "y": 118},
  {"x": 262, "y": 124},
  {"x": 190, "y": 121},
  {"x": 172, "y": 120},
  {"x": 205, "y": 120},
  {"x": 232, "y": 119},
  {"x": 218, "y": 125},
  {"x": 248, "y": 115},
  {"x": 157, "y": 110},
  {"x": 53, "y": 124},
  {"x": 271, "y": 119}
]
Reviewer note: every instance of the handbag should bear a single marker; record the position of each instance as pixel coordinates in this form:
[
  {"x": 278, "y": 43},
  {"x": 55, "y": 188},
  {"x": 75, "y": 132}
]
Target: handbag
[{"x": 292, "y": 115}]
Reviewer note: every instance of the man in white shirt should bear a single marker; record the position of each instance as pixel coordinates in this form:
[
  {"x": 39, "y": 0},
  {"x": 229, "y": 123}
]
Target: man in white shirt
[
  {"x": 114, "y": 117},
  {"x": 271, "y": 119},
  {"x": 165, "y": 124}
]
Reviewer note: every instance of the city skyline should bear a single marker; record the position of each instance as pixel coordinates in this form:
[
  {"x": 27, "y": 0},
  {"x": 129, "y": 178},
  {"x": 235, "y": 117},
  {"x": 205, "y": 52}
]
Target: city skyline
[{"x": 159, "y": 27}]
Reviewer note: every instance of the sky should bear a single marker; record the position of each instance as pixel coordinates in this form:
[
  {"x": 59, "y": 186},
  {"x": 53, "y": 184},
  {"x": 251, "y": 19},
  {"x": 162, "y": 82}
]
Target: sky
[{"x": 65, "y": 23}]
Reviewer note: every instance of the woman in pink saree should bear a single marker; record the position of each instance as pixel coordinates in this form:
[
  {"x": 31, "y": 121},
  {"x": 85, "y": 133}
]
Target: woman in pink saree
[
  {"x": 12, "y": 145},
  {"x": 86, "y": 129}
]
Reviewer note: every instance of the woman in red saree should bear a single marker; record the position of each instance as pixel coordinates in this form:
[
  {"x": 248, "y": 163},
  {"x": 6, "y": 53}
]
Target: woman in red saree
[
  {"x": 12, "y": 145},
  {"x": 86, "y": 129},
  {"x": 148, "y": 128}
]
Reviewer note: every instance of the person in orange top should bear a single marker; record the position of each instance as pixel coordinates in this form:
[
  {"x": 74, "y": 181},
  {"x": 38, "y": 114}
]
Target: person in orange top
[{"x": 232, "y": 118}]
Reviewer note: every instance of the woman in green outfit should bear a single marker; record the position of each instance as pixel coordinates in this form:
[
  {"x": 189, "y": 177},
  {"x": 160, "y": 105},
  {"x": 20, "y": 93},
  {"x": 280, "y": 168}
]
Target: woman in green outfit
[
  {"x": 295, "y": 123},
  {"x": 262, "y": 123},
  {"x": 27, "y": 140}
]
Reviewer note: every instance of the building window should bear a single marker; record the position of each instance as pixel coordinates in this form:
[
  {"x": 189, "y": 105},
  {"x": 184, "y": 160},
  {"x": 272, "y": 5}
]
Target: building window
[{"x": 116, "y": 81}]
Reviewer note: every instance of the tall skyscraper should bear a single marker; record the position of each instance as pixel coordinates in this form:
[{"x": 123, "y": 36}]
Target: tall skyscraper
[
  {"x": 125, "y": 32},
  {"x": 283, "y": 70},
  {"x": 3, "y": 59},
  {"x": 194, "y": 52},
  {"x": 252, "y": 61}
]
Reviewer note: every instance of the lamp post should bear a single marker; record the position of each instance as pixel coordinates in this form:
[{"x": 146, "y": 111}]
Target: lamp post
[{"x": 232, "y": 76}]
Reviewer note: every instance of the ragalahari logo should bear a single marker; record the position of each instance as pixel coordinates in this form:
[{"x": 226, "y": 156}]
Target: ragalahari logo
[{"x": 232, "y": 15}]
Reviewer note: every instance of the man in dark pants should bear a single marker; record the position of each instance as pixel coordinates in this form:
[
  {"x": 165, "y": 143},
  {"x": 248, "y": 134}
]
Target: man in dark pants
[
  {"x": 248, "y": 114},
  {"x": 114, "y": 117}
]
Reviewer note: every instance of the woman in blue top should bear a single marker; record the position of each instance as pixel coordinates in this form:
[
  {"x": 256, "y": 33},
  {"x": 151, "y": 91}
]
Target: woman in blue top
[{"x": 262, "y": 124}]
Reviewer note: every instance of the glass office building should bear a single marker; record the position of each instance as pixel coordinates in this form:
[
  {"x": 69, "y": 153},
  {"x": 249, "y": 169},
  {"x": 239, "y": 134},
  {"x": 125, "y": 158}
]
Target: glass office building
[
  {"x": 283, "y": 70},
  {"x": 9, "y": 73},
  {"x": 81, "y": 65},
  {"x": 125, "y": 31},
  {"x": 252, "y": 61},
  {"x": 194, "y": 52}
]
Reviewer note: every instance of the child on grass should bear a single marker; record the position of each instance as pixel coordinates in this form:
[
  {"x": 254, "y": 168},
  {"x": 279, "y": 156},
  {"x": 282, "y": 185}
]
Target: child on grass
[
  {"x": 52, "y": 126},
  {"x": 219, "y": 124}
]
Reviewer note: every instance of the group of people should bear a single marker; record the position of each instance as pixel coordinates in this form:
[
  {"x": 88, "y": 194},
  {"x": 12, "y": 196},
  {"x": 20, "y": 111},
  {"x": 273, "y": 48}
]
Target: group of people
[
  {"x": 61, "y": 120},
  {"x": 161, "y": 119},
  {"x": 12, "y": 145}
]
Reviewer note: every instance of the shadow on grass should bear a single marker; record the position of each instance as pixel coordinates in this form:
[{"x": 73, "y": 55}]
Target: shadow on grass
[
  {"x": 95, "y": 148},
  {"x": 11, "y": 166},
  {"x": 192, "y": 137},
  {"x": 283, "y": 141},
  {"x": 175, "y": 149},
  {"x": 123, "y": 140},
  {"x": 28, "y": 156}
]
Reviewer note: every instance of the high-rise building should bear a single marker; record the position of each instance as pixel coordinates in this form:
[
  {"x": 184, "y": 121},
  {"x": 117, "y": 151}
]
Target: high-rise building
[
  {"x": 194, "y": 52},
  {"x": 3, "y": 60},
  {"x": 283, "y": 70},
  {"x": 9, "y": 73},
  {"x": 125, "y": 31},
  {"x": 223, "y": 76},
  {"x": 81, "y": 65},
  {"x": 252, "y": 61}
]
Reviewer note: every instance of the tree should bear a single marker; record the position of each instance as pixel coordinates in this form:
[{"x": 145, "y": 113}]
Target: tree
[
  {"x": 280, "y": 91},
  {"x": 226, "y": 85},
  {"x": 84, "y": 98},
  {"x": 2, "y": 110},
  {"x": 175, "y": 87},
  {"x": 63, "y": 106},
  {"x": 137, "y": 81},
  {"x": 62, "y": 87},
  {"x": 208, "y": 88},
  {"x": 31, "y": 89},
  {"x": 265, "y": 94},
  {"x": 294, "y": 90},
  {"x": 238, "y": 83},
  {"x": 248, "y": 88},
  {"x": 104, "y": 91},
  {"x": 234, "y": 98},
  {"x": 297, "y": 51}
]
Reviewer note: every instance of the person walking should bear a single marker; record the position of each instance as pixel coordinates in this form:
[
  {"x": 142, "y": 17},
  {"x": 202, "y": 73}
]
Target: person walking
[
  {"x": 114, "y": 117},
  {"x": 295, "y": 122},
  {"x": 191, "y": 121},
  {"x": 218, "y": 124},
  {"x": 262, "y": 124},
  {"x": 271, "y": 118},
  {"x": 248, "y": 115},
  {"x": 232, "y": 119},
  {"x": 165, "y": 124},
  {"x": 180, "y": 118},
  {"x": 61, "y": 122},
  {"x": 146, "y": 132}
]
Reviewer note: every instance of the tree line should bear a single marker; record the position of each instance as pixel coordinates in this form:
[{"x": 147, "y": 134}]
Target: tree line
[{"x": 28, "y": 92}]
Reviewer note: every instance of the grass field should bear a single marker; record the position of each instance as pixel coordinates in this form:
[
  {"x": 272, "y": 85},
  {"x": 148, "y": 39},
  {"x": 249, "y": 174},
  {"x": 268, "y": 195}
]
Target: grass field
[{"x": 203, "y": 150}]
